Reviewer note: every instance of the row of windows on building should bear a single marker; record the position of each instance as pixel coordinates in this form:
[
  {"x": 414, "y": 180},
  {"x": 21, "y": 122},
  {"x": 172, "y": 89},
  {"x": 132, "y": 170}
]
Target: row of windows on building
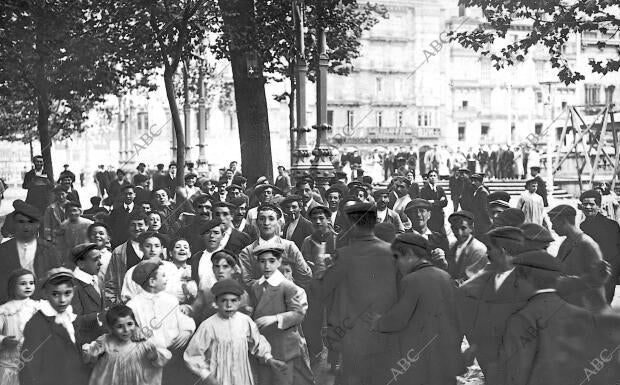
[{"x": 424, "y": 118}]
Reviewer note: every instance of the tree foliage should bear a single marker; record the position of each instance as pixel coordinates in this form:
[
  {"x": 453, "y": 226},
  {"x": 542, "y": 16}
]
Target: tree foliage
[{"x": 553, "y": 23}]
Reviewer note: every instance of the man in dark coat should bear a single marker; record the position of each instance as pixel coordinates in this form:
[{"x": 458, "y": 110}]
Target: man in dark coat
[
  {"x": 143, "y": 194},
  {"x": 118, "y": 220},
  {"x": 114, "y": 188},
  {"x": 38, "y": 185},
  {"x": 480, "y": 205},
  {"x": 419, "y": 212},
  {"x": 486, "y": 301},
  {"x": 233, "y": 239},
  {"x": 424, "y": 319},
  {"x": 366, "y": 355},
  {"x": 542, "y": 186},
  {"x": 437, "y": 197},
  {"x": 296, "y": 227},
  {"x": 466, "y": 189},
  {"x": 26, "y": 250},
  {"x": 605, "y": 232},
  {"x": 203, "y": 212}
]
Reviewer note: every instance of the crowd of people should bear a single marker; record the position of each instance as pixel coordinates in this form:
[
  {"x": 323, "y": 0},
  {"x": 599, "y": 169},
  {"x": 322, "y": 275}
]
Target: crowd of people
[{"x": 221, "y": 281}]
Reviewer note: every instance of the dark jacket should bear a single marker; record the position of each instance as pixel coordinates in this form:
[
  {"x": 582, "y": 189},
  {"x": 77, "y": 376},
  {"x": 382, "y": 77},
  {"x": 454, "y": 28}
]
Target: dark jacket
[
  {"x": 480, "y": 209},
  {"x": 237, "y": 241},
  {"x": 86, "y": 304},
  {"x": 302, "y": 230},
  {"x": 118, "y": 222},
  {"x": 542, "y": 189},
  {"x": 54, "y": 358},
  {"x": 45, "y": 258},
  {"x": 436, "y": 222}
]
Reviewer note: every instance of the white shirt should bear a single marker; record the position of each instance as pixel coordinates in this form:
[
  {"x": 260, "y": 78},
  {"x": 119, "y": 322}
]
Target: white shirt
[
  {"x": 131, "y": 289},
  {"x": 161, "y": 314},
  {"x": 307, "y": 205},
  {"x": 136, "y": 248},
  {"x": 381, "y": 215},
  {"x": 401, "y": 203},
  {"x": 460, "y": 248},
  {"x": 252, "y": 215},
  {"x": 333, "y": 218},
  {"x": 501, "y": 277},
  {"x": 83, "y": 276},
  {"x": 27, "y": 252},
  {"x": 106, "y": 257},
  {"x": 205, "y": 271},
  {"x": 425, "y": 234}
]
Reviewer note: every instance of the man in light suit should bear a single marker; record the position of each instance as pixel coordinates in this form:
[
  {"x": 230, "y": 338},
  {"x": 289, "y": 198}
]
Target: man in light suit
[
  {"x": 26, "y": 250},
  {"x": 296, "y": 227},
  {"x": 468, "y": 255},
  {"x": 87, "y": 299},
  {"x": 268, "y": 227},
  {"x": 361, "y": 282}
]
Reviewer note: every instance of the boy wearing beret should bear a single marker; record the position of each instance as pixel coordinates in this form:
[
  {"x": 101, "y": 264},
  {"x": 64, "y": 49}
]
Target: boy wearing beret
[
  {"x": 279, "y": 309},
  {"x": 87, "y": 298},
  {"x": 424, "y": 318}
]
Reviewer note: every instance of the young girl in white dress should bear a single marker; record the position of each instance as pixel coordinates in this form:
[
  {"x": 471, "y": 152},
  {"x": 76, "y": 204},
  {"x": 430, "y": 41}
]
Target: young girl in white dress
[
  {"x": 13, "y": 318},
  {"x": 120, "y": 360},
  {"x": 218, "y": 352}
]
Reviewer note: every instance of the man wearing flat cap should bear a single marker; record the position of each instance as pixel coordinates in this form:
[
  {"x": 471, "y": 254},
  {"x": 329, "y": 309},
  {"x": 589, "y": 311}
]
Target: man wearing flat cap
[
  {"x": 498, "y": 202},
  {"x": 268, "y": 217},
  {"x": 487, "y": 300},
  {"x": 536, "y": 237},
  {"x": 418, "y": 212},
  {"x": 54, "y": 214},
  {"x": 535, "y": 347},
  {"x": 581, "y": 261},
  {"x": 480, "y": 205},
  {"x": 264, "y": 193},
  {"x": 88, "y": 301},
  {"x": 605, "y": 232},
  {"x": 362, "y": 281},
  {"x": 26, "y": 250},
  {"x": 384, "y": 213},
  {"x": 509, "y": 217},
  {"x": 425, "y": 311},
  {"x": 468, "y": 255}
]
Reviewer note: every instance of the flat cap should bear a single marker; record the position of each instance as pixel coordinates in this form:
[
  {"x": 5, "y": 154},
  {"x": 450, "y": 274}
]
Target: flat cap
[
  {"x": 21, "y": 207},
  {"x": 510, "y": 217},
  {"x": 225, "y": 204},
  {"x": 418, "y": 203},
  {"x": 500, "y": 203},
  {"x": 354, "y": 184},
  {"x": 464, "y": 171},
  {"x": 270, "y": 206},
  {"x": 239, "y": 180},
  {"x": 320, "y": 209},
  {"x": 227, "y": 286},
  {"x": 233, "y": 187},
  {"x": 359, "y": 207},
  {"x": 144, "y": 270},
  {"x": 535, "y": 168},
  {"x": 538, "y": 259},
  {"x": 340, "y": 174},
  {"x": 535, "y": 232},
  {"x": 461, "y": 214},
  {"x": 562, "y": 211},
  {"x": 190, "y": 175},
  {"x": 377, "y": 194},
  {"x": 499, "y": 196},
  {"x": 276, "y": 249},
  {"x": 216, "y": 256},
  {"x": 56, "y": 273},
  {"x": 386, "y": 231},
  {"x": 80, "y": 251},
  {"x": 590, "y": 194},
  {"x": 510, "y": 233},
  {"x": 477, "y": 176},
  {"x": 73, "y": 204},
  {"x": 412, "y": 239},
  {"x": 208, "y": 225}
]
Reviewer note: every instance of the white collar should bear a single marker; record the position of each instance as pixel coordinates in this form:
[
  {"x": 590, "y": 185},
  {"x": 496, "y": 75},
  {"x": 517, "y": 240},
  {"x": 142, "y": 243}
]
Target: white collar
[
  {"x": 262, "y": 241},
  {"x": 307, "y": 205},
  {"x": 83, "y": 276},
  {"x": 427, "y": 232},
  {"x": 49, "y": 311},
  {"x": 545, "y": 291},
  {"x": 275, "y": 280},
  {"x": 27, "y": 244}
]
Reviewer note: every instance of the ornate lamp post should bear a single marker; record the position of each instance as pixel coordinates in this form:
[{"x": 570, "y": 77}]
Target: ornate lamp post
[
  {"x": 300, "y": 162},
  {"x": 322, "y": 167}
]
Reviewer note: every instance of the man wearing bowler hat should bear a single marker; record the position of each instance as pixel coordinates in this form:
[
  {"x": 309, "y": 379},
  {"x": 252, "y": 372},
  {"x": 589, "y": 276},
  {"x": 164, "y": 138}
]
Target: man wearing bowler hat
[{"x": 26, "y": 250}]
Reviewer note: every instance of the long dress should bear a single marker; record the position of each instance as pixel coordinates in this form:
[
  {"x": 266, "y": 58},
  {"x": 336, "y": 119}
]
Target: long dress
[
  {"x": 13, "y": 318},
  {"x": 220, "y": 347},
  {"x": 125, "y": 363}
]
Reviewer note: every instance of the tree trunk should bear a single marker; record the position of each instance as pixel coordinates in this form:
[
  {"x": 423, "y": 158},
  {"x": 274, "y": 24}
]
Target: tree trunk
[
  {"x": 178, "y": 126},
  {"x": 250, "y": 99},
  {"x": 43, "y": 101}
]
